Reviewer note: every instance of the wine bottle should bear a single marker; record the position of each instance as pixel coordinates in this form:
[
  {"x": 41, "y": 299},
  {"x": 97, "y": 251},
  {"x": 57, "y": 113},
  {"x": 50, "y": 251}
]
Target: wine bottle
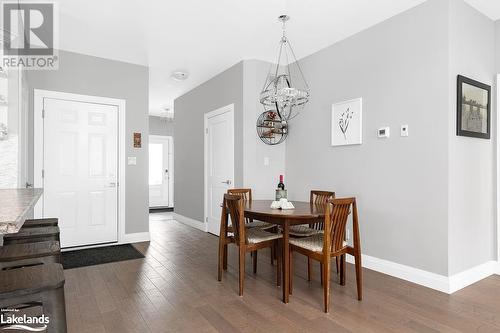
[{"x": 281, "y": 185}]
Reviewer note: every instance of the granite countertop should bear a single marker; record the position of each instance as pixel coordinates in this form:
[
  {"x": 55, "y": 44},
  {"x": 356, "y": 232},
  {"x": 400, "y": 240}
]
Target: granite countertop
[{"x": 15, "y": 206}]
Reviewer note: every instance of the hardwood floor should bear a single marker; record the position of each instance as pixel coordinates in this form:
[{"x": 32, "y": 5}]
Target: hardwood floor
[{"x": 175, "y": 289}]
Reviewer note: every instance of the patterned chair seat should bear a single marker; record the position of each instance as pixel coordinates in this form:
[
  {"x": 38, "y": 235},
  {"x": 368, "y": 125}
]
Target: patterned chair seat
[
  {"x": 303, "y": 230},
  {"x": 259, "y": 224},
  {"x": 312, "y": 243},
  {"x": 257, "y": 235}
]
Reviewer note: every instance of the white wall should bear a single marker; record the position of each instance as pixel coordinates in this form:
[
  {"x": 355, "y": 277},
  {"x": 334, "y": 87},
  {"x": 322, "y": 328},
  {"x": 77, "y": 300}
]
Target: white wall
[{"x": 472, "y": 165}]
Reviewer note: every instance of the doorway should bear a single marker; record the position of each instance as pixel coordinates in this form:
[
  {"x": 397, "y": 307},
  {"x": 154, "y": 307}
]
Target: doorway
[
  {"x": 77, "y": 149},
  {"x": 219, "y": 162},
  {"x": 161, "y": 173}
]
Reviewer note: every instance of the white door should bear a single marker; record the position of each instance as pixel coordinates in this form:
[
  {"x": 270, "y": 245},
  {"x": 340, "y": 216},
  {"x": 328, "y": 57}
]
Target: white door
[
  {"x": 159, "y": 171},
  {"x": 80, "y": 160},
  {"x": 219, "y": 162}
]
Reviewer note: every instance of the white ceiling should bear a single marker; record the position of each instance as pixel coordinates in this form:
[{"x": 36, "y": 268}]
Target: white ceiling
[
  {"x": 206, "y": 37},
  {"x": 490, "y": 8}
]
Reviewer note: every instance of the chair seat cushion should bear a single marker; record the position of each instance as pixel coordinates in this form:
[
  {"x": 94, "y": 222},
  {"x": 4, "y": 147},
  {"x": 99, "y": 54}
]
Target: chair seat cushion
[
  {"x": 257, "y": 235},
  {"x": 303, "y": 230},
  {"x": 312, "y": 243},
  {"x": 259, "y": 224}
]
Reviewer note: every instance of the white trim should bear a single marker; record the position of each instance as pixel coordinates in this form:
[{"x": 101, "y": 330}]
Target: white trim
[
  {"x": 431, "y": 280},
  {"x": 471, "y": 276},
  {"x": 498, "y": 169},
  {"x": 136, "y": 237},
  {"x": 38, "y": 98},
  {"x": 228, "y": 108},
  {"x": 170, "y": 142},
  {"x": 191, "y": 222}
]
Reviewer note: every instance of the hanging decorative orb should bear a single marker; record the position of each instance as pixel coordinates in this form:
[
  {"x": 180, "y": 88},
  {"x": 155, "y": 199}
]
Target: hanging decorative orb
[
  {"x": 271, "y": 129},
  {"x": 285, "y": 89}
]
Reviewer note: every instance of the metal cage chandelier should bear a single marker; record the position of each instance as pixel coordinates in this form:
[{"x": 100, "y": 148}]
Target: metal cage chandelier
[{"x": 285, "y": 90}]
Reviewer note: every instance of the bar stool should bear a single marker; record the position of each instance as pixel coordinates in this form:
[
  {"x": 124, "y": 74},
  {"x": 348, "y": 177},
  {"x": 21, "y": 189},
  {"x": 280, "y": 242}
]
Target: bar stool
[
  {"x": 29, "y": 254},
  {"x": 34, "y": 286},
  {"x": 32, "y": 235},
  {"x": 35, "y": 223}
]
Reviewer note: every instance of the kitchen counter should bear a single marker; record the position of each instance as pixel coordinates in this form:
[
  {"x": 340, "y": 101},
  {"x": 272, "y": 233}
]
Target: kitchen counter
[{"x": 15, "y": 207}]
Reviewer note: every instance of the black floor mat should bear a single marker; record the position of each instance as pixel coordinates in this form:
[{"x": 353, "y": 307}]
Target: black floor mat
[{"x": 99, "y": 255}]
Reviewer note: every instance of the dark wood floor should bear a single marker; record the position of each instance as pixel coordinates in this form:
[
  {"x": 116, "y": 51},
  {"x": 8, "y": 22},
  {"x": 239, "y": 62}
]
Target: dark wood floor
[{"x": 174, "y": 289}]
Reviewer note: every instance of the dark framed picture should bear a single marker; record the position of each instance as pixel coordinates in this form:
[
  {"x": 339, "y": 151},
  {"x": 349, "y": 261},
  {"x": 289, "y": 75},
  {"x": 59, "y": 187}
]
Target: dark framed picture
[{"x": 473, "y": 108}]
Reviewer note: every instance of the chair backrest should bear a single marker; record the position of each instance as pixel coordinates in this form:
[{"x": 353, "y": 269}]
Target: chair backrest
[
  {"x": 321, "y": 197},
  {"x": 234, "y": 206},
  {"x": 245, "y": 193},
  {"x": 336, "y": 217}
]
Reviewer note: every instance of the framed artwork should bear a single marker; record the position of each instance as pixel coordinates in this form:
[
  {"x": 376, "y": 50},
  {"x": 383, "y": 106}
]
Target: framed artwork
[
  {"x": 473, "y": 108},
  {"x": 137, "y": 140},
  {"x": 347, "y": 123}
]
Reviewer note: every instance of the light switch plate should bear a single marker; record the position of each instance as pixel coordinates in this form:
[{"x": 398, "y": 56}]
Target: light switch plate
[
  {"x": 384, "y": 132},
  {"x": 404, "y": 130},
  {"x": 266, "y": 161},
  {"x": 132, "y": 160}
]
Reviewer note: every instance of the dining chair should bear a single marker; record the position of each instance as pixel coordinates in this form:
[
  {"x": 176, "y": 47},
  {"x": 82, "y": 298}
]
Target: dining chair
[
  {"x": 246, "y": 194},
  {"x": 323, "y": 246},
  {"x": 247, "y": 239},
  {"x": 316, "y": 197}
]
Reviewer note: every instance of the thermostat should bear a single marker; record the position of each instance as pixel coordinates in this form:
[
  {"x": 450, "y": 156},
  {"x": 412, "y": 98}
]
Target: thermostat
[{"x": 384, "y": 132}]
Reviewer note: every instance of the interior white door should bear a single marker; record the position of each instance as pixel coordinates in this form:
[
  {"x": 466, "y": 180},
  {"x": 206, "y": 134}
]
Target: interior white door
[
  {"x": 159, "y": 173},
  {"x": 80, "y": 163},
  {"x": 219, "y": 164}
]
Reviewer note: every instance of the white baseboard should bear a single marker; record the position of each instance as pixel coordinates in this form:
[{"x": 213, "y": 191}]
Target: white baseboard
[
  {"x": 445, "y": 284},
  {"x": 407, "y": 273},
  {"x": 136, "y": 237},
  {"x": 466, "y": 278},
  {"x": 191, "y": 222}
]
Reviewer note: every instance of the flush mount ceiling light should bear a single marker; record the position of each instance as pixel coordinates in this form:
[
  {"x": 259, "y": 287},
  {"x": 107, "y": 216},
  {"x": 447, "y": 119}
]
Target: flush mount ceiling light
[
  {"x": 179, "y": 75},
  {"x": 285, "y": 90}
]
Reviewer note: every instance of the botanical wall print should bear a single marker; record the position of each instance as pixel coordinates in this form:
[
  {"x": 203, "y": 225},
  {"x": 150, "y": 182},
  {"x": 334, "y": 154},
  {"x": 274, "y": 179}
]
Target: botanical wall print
[
  {"x": 347, "y": 123},
  {"x": 473, "y": 108}
]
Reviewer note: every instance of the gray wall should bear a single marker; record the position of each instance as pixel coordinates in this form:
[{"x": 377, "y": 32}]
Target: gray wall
[
  {"x": 224, "y": 89},
  {"x": 82, "y": 74},
  {"x": 260, "y": 178},
  {"x": 400, "y": 68},
  {"x": 472, "y": 172},
  {"x": 161, "y": 126}
]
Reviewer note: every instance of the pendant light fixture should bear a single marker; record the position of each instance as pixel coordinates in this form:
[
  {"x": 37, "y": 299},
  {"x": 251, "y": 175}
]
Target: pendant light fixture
[{"x": 285, "y": 90}]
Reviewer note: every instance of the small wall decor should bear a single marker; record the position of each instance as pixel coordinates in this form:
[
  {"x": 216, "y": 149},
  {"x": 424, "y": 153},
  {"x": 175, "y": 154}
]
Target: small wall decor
[
  {"x": 347, "y": 123},
  {"x": 271, "y": 129},
  {"x": 137, "y": 140},
  {"x": 473, "y": 108}
]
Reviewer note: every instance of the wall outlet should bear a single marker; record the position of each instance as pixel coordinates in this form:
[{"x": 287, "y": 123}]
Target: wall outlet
[{"x": 404, "y": 130}]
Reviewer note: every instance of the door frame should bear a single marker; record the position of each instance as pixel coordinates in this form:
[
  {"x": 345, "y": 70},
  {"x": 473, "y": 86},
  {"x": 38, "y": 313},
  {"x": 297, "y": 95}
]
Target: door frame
[
  {"x": 497, "y": 101},
  {"x": 38, "y": 102},
  {"x": 170, "y": 143},
  {"x": 225, "y": 109}
]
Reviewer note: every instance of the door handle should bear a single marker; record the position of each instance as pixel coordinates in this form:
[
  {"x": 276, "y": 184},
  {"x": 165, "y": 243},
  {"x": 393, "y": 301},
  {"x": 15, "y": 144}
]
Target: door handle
[
  {"x": 228, "y": 182},
  {"x": 112, "y": 184}
]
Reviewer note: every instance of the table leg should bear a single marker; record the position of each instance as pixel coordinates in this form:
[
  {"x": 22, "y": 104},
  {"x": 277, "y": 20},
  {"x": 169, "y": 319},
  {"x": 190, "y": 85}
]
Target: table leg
[{"x": 286, "y": 263}]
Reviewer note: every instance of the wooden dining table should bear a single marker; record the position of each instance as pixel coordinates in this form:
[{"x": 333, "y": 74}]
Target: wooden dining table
[{"x": 304, "y": 213}]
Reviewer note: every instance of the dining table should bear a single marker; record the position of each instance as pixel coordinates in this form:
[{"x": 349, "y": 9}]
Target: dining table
[{"x": 303, "y": 213}]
